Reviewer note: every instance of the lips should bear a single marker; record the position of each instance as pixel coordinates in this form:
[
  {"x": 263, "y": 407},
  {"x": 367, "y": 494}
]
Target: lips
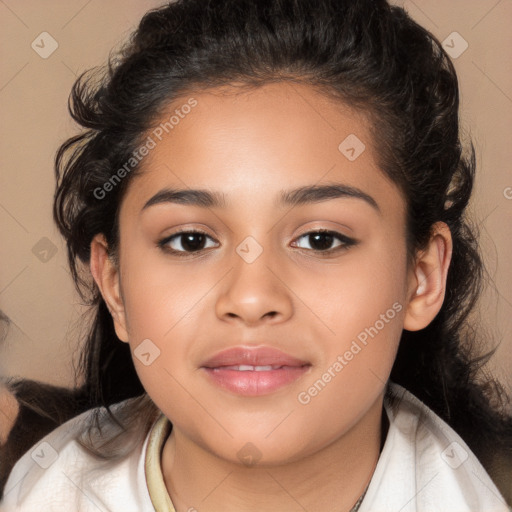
[
  {"x": 262, "y": 356},
  {"x": 254, "y": 371}
]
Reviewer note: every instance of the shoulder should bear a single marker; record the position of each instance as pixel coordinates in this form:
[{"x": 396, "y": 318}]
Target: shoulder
[
  {"x": 426, "y": 465},
  {"x": 59, "y": 474}
]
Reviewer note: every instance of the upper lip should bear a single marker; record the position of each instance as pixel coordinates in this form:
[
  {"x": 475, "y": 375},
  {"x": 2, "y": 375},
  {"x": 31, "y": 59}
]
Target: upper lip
[{"x": 258, "y": 356}]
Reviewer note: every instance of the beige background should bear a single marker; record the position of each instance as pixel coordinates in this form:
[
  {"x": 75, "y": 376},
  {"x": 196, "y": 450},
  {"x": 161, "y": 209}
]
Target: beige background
[{"x": 36, "y": 292}]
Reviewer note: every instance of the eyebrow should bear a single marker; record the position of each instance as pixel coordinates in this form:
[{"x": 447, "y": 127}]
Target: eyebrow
[{"x": 300, "y": 196}]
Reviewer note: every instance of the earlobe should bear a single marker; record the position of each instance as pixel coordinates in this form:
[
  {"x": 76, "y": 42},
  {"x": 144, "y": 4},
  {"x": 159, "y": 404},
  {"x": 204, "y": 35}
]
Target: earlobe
[
  {"x": 428, "y": 281},
  {"x": 106, "y": 276}
]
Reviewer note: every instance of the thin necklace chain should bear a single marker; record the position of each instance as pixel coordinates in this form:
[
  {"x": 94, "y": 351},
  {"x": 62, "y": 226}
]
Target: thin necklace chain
[
  {"x": 355, "y": 508},
  {"x": 385, "y": 427}
]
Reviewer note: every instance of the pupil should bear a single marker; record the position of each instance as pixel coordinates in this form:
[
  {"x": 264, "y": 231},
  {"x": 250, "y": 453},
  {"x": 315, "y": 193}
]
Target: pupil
[
  {"x": 189, "y": 244},
  {"x": 327, "y": 241}
]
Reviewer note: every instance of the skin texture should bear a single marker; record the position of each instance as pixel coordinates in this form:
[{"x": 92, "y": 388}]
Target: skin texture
[{"x": 251, "y": 146}]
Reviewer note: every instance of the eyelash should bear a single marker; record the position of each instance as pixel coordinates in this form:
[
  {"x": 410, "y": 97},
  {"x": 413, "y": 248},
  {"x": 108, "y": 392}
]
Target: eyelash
[{"x": 345, "y": 240}]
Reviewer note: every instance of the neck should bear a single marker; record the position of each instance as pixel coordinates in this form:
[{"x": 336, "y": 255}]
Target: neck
[{"x": 337, "y": 474}]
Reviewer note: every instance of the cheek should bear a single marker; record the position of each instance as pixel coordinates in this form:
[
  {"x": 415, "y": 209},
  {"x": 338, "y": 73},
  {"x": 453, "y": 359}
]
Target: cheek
[
  {"x": 158, "y": 296},
  {"x": 362, "y": 302},
  {"x": 159, "y": 315},
  {"x": 365, "y": 287},
  {"x": 354, "y": 367},
  {"x": 159, "y": 306}
]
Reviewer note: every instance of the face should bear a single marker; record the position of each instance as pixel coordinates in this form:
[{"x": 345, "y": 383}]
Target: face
[{"x": 309, "y": 289}]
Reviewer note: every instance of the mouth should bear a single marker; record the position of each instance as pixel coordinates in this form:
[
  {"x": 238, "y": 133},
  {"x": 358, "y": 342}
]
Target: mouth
[{"x": 254, "y": 371}]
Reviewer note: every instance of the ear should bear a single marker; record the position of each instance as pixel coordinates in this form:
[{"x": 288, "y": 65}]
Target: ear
[
  {"x": 427, "y": 282},
  {"x": 106, "y": 275}
]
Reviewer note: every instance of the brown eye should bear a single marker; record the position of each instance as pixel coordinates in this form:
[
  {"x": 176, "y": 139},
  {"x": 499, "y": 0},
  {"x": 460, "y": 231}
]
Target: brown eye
[
  {"x": 322, "y": 241},
  {"x": 186, "y": 242}
]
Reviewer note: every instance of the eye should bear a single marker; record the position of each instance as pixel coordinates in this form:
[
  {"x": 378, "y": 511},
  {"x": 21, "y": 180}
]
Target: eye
[
  {"x": 184, "y": 242},
  {"x": 321, "y": 241}
]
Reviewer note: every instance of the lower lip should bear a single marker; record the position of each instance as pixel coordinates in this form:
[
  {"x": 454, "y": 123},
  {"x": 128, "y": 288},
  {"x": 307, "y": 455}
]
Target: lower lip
[{"x": 255, "y": 383}]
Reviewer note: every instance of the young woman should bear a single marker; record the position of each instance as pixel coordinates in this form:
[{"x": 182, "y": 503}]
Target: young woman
[{"x": 270, "y": 197}]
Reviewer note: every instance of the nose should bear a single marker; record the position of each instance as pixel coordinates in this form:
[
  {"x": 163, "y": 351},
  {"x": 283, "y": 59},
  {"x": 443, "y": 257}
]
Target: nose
[{"x": 254, "y": 293}]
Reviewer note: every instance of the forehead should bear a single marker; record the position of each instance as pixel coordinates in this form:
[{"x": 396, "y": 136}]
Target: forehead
[{"x": 251, "y": 143}]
